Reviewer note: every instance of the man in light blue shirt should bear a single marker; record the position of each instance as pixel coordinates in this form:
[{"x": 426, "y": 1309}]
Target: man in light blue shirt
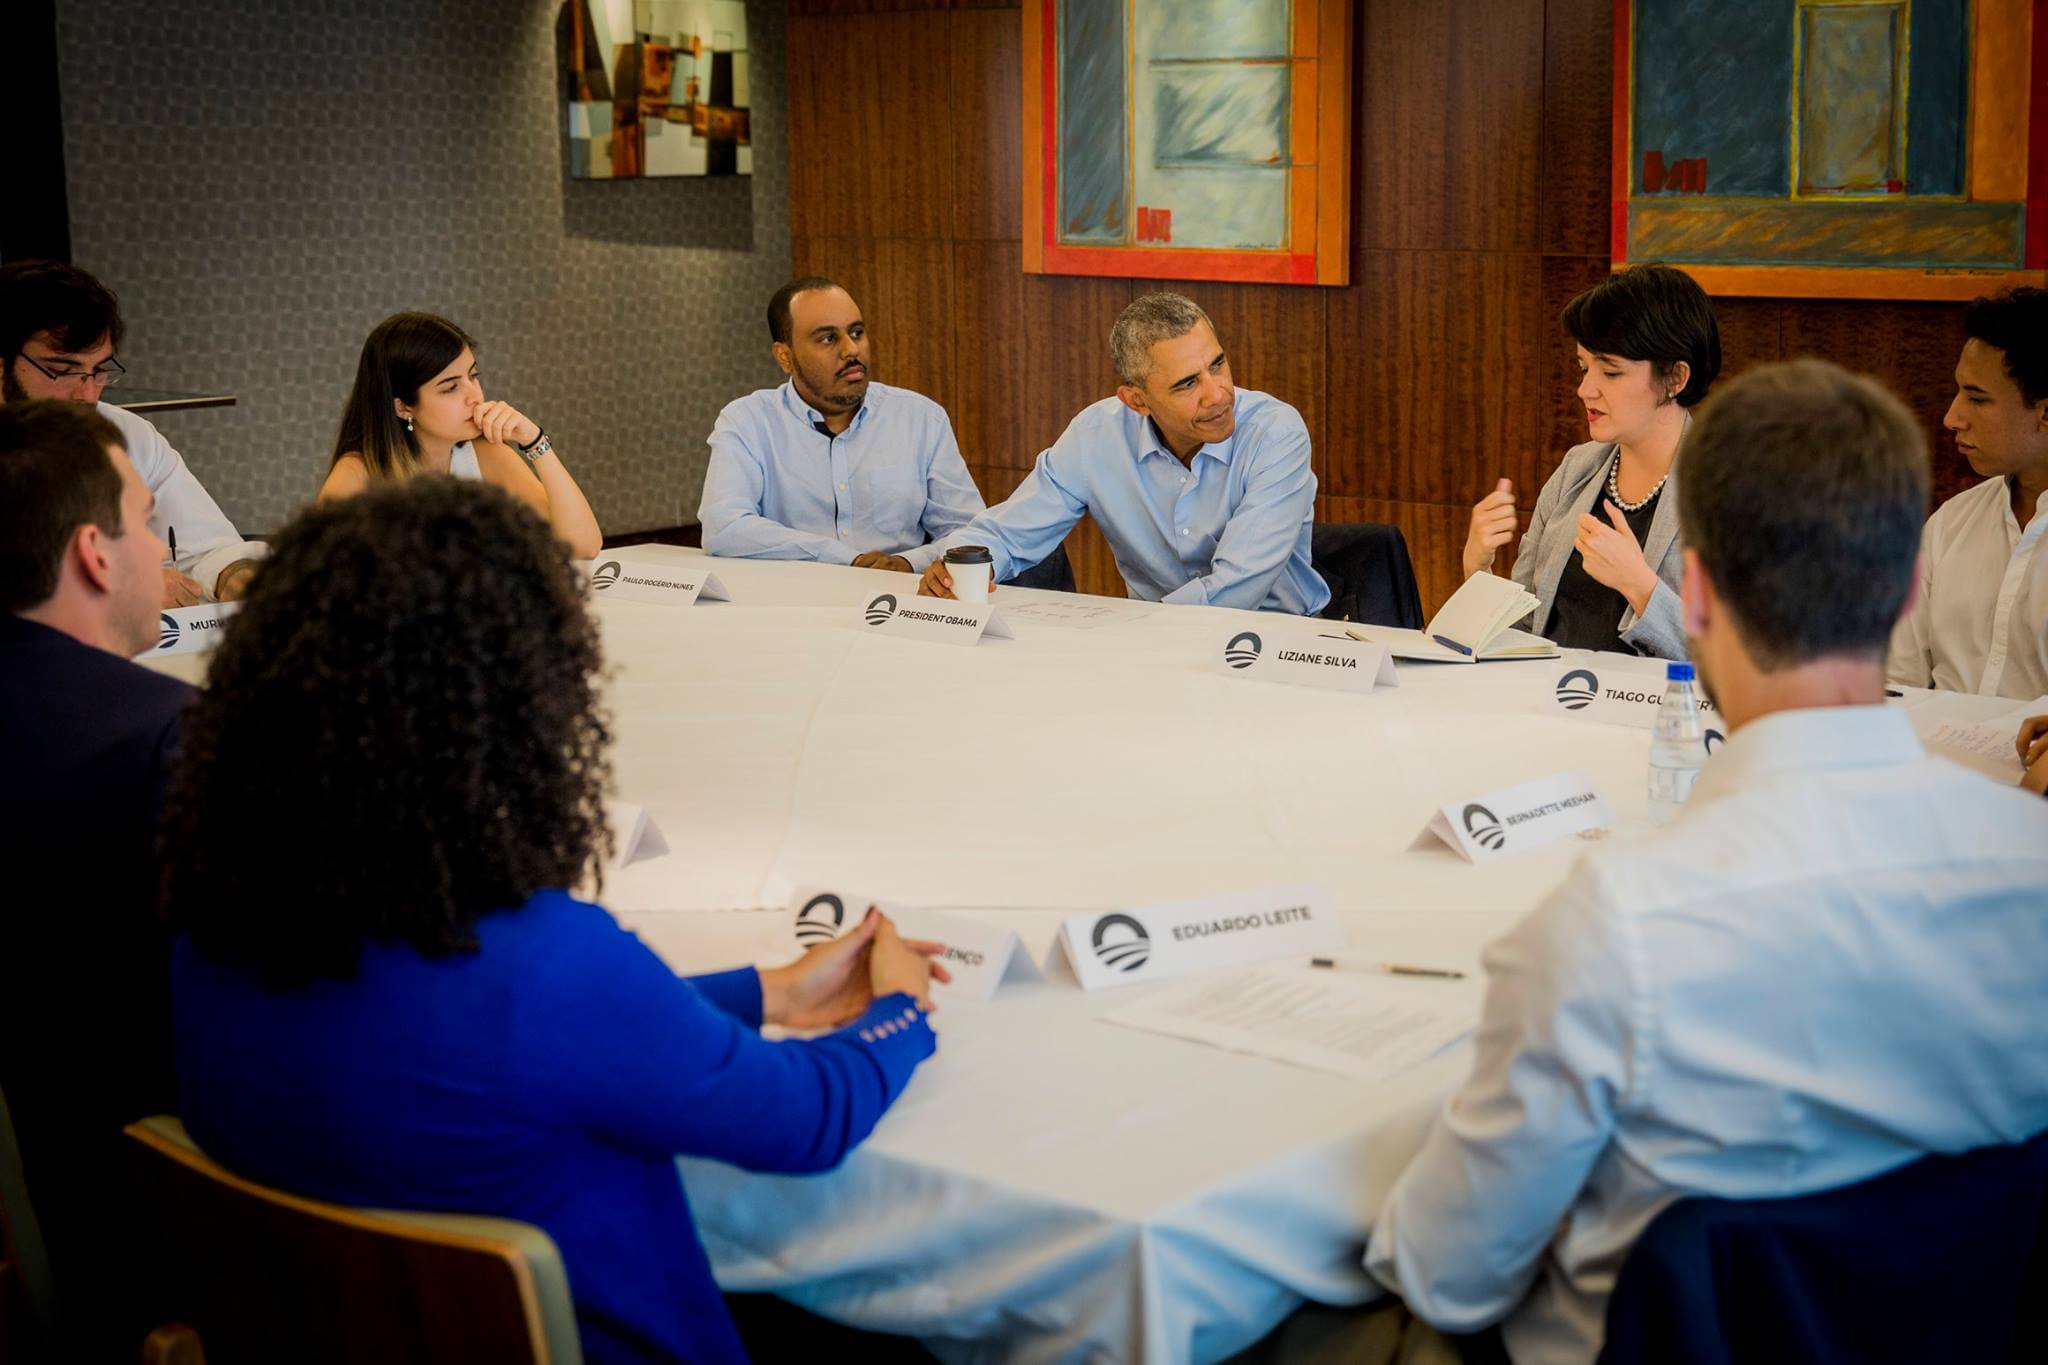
[
  {"x": 832, "y": 466},
  {"x": 1202, "y": 489},
  {"x": 1835, "y": 960}
]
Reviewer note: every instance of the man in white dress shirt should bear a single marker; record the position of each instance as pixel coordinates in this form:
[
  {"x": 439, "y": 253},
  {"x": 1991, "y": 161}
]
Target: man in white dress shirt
[
  {"x": 59, "y": 329},
  {"x": 1981, "y": 624},
  {"x": 1834, "y": 962}
]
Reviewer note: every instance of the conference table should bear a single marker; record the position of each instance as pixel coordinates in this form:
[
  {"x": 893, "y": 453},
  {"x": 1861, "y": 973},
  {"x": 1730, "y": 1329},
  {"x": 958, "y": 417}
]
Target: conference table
[{"x": 1053, "y": 1187}]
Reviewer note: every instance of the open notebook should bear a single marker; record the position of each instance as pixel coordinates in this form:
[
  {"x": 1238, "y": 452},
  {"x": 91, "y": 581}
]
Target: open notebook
[{"x": 1477, "y": 623}]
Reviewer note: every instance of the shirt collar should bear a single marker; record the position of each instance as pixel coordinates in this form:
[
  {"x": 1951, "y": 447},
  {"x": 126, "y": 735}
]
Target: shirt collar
[
  {"x": 814, "y": 419},
  {"x": 1816, "y": 738},
  {"x": 1148, "y": 444}
]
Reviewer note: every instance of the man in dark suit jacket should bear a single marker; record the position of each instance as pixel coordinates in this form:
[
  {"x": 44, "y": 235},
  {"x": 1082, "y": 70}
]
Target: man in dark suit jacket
[{"x": 84, "y": 1000}]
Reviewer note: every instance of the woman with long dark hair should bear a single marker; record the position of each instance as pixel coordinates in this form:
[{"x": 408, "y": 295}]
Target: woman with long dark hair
[
  {"x": 418, "y": 407},
  {"x": 384, "y": 993}
]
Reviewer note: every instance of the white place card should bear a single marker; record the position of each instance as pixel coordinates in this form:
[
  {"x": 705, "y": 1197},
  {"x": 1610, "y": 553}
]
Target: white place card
[
  {"x": 1619, "y": 696},
  {"x": 932, "y": 618},
  {"x": 192, "y": 630},
  {"x": 1121, "y": 947},
  {"x": 1305, "y": 659},
  {"x": 638, "y": 581},
  {"x": 1520, "y": 818},
  {"x": 980, "y": 956},
  {"x": 634, "y": 835}
]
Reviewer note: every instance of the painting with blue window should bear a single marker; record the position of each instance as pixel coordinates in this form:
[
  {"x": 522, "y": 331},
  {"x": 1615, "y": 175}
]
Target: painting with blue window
[{"x": 1834, "y": 148}]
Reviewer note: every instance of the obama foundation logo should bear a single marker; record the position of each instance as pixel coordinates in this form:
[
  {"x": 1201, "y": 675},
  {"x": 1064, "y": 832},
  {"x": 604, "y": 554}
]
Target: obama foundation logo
[
  {"x": 820, "y": 919},
  {"x": 1243, "y": 650},
  {"x": 1120, "y": 942},
  {"x": 1484, "y": 826}
]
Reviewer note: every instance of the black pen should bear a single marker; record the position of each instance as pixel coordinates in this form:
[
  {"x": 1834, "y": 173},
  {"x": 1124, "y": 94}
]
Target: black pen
[
  {"x": 1390, "y": 968},
  {"x": 171, "y": 533}
]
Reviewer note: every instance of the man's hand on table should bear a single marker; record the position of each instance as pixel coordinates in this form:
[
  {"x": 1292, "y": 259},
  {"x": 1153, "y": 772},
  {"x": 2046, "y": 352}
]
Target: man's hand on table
[
  {"x": 876, "y": 559},
  {"x": 834, "y": 983},
  {"x": 233, "y": 583},
  {"x": 2033, "y": 749},
  {"x": 938, "y": 583},
  {"x": 180, "y": 591}
]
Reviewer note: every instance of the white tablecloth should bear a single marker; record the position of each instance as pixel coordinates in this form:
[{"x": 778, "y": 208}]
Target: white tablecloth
[{"x": 1051, "y": 1187}]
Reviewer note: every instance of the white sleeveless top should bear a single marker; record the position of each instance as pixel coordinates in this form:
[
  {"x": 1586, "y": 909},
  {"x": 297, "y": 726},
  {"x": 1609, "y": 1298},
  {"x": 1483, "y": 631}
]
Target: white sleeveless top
[{"x": 462, "y": 463}]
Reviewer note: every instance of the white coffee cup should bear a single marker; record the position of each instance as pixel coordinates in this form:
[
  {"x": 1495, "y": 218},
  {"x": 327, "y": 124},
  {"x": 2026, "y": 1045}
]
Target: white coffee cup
[{"x": 971, "y": 567}]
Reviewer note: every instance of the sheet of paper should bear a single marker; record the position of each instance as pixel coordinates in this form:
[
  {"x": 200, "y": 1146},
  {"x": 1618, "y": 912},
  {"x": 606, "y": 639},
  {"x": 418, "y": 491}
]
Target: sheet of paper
[
  {"x": 1987, "y": 745},
  {"x": 1356, "y": 1024},
  {"x": 1077, "y": 611}
]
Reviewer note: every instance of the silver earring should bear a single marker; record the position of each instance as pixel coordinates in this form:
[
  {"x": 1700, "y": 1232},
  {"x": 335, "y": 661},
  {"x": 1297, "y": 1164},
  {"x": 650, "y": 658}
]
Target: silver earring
[{"x": 408, "y": 426}]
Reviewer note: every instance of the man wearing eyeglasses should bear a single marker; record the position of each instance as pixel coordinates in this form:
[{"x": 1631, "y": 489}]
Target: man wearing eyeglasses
[{"x": 59, "y": 329}]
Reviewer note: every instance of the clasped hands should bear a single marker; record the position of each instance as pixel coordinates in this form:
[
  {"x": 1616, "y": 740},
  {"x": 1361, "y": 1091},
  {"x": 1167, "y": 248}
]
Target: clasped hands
[{"x": 834, "y": 983}]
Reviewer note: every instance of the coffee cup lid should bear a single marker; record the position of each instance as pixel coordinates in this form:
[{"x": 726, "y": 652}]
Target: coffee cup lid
[{"x": 969, "y": 554}]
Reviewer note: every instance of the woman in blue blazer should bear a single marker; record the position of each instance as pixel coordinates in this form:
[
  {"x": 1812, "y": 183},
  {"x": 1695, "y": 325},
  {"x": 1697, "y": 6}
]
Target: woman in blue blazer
[
  {"x": 1602, "y": 552},
  {"x": 385, "y": 994}
]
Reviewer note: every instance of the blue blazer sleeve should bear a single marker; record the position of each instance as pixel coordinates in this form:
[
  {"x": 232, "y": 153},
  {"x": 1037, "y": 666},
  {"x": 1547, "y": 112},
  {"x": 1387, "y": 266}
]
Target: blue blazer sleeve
[{"x": 622, "y": 1045}]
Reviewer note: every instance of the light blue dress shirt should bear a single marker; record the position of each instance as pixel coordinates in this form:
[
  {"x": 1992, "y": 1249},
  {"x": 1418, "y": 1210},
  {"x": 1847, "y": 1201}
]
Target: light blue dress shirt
[
  {"x": 1228, "y": 529},
  {"x": 1834, "y": 961},
  {"x": 780, "y": 486}
]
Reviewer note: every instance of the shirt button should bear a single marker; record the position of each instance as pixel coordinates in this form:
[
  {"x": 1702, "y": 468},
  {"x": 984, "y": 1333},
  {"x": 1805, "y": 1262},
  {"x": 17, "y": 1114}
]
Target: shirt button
[
  {"x": 1183, "y": 530},
  {"x": 842, "y": 488}
]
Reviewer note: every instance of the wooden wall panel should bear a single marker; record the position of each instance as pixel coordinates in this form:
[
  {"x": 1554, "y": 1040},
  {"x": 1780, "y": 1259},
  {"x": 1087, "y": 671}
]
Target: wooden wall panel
[
  {"x": 870, "y": 156},
  {"x": 1447, "y": 145},
  {"x": 1435, "y": 378},
  {"x": 1578, "y": 121},
  {"x": 1912, "y": 347},
  {"x": 987, "y": 66},
  {"x": 1480, "y": 161}
]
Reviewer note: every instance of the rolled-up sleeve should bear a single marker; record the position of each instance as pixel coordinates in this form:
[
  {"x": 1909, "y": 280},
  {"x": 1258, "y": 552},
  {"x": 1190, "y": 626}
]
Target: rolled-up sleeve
[{"x": 1026, "y": 527}]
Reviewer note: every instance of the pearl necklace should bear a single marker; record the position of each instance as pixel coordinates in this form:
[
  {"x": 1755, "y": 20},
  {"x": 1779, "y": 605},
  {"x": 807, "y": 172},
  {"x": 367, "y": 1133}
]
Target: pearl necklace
[{"x": 1614, "y": 487}]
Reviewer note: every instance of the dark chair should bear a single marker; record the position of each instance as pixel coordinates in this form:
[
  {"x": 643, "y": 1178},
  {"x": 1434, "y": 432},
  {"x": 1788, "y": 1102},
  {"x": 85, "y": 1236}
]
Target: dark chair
[
  {"x": 29, "y": 1328},
  {"x": 1053, "y": 573},
  {"x": 1371, "y": 579},
  {"x": 264, "y": 1275},
  {"x": 1944, "y": 1259}
]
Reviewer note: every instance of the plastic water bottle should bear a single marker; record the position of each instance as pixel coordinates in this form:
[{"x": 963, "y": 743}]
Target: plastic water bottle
[{"x": 1678, "y": 746}]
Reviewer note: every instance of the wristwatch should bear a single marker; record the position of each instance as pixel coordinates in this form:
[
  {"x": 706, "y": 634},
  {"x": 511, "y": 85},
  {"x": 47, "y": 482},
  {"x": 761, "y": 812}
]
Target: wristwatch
[{"x": 541, "y": 446}]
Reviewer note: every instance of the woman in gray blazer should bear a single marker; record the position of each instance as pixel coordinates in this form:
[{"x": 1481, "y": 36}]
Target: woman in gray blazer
[{"x": 1602, "y": 552}]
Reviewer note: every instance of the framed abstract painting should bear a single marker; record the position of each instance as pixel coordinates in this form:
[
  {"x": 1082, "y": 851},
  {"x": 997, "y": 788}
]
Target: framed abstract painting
[
  {"x": 656, "y": 87},
  {"x": 1188, "y": 139},
  {"x": 1891, "y": 149}
]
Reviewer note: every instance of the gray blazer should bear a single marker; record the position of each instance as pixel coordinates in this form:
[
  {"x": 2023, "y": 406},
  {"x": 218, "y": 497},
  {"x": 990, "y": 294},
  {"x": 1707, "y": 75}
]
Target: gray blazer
[{"x": 1554, "y": 527}]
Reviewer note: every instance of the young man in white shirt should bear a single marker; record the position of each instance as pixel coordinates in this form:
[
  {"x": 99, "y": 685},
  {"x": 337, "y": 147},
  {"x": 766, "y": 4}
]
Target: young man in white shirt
[
  {"x": 1981, "y": 624},
  {"x": 1834, "y": 962},
  {"x": 59, "y": 329}
]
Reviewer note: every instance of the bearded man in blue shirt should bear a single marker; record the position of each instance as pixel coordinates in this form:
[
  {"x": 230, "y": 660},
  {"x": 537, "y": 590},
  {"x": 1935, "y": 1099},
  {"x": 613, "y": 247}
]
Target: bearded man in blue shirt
[
  {"x": 1203, "y": 490},
  {"x": 832, "y": 466}
]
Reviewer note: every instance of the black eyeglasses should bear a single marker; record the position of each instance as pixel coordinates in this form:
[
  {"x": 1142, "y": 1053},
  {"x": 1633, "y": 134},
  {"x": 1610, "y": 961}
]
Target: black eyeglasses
[{"x": 107, "y": 373}]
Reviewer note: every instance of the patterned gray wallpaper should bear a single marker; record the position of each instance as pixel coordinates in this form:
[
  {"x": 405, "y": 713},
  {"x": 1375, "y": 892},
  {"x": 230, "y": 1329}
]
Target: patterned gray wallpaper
[{"x": 261, "y": 183}]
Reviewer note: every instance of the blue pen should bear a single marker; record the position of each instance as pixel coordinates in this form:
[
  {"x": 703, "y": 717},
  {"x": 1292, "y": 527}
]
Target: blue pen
[{"x": 1449, "y": 643}]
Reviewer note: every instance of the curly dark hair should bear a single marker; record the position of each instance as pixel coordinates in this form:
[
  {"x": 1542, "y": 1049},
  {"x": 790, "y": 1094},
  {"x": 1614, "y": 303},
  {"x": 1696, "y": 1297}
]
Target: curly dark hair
[{"x": 400, "y": 733}]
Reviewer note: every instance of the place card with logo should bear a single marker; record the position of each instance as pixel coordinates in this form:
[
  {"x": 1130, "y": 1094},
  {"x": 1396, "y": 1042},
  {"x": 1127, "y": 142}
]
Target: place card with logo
[
  {"x": 932, "y": 618},
  {"x": 634, "y": 835},
  {"x": 1306, "y": 659},
  {"x": 1121, "y": 947},
  {"x": 980, "y": 956},
  {"x": 192, "y": 630},
  {"x": 1615, "y": 695},
  {"x": 639, "y": 581},
  {"x": 1520, "y": 818}
]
